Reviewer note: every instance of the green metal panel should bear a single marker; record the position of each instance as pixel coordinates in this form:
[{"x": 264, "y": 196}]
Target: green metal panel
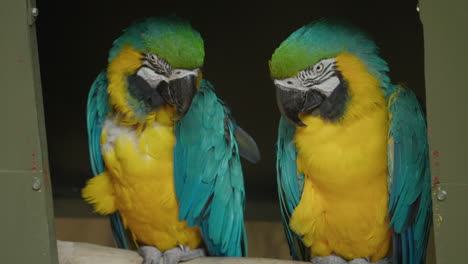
[
  {"x": 446, "y": 58},
  {"x": 27, "y": 223}
]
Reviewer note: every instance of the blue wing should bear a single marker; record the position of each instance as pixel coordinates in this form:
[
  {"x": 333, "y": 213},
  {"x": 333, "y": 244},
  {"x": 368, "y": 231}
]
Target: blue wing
[
  {"x": 409, "y": 179},
  {"x": 208, "y": 174},
  {"x": 96, "y": 113},
  {"x": 290, "y": 184}
]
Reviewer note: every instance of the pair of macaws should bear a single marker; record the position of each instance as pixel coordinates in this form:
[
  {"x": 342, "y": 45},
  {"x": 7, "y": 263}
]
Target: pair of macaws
[{"x": 352, "y": 156}]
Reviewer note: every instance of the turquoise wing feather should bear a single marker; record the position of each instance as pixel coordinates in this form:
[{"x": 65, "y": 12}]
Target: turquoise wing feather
[
  {"x": 290, "y": 185},
  {"x": 208, "y": 174},
  {"x": 97, "y": 111},
  {"x": 409, "y": 182}
]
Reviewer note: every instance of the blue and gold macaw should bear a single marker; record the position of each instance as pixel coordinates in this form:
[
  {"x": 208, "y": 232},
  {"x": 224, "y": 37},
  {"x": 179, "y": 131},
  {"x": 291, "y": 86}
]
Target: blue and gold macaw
[
  {"x": 165, "y": 149},
  {"x": 352, "y": 163}
]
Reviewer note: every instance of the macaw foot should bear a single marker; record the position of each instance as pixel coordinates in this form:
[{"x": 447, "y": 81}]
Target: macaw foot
[
  {"x": 338, "y": 260},
  {"x": 152, "y": 255},
  {"x": 182, "y": 253},
  {"x": 367, "y": 261},
  {"x": 328, "y": 260}
]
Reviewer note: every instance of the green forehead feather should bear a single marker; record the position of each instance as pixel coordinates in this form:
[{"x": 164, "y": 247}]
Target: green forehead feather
[
  {"x": 170, "y": 38},
  {"x": 324, "y": 39}
]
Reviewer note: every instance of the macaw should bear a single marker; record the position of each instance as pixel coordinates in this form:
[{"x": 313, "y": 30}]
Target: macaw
[
  {"x": 352, "y": 153},
  {"x": 165, "y": 149}
]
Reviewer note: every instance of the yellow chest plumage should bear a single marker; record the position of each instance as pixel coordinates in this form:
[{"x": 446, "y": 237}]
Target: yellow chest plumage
[
  {"x": 139, "y": 183},
  {"x": 344, "y": 202}
]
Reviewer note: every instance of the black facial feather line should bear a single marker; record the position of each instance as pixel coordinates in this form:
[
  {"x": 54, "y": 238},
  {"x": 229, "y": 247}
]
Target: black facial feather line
[{"x": 159, "y": 65}]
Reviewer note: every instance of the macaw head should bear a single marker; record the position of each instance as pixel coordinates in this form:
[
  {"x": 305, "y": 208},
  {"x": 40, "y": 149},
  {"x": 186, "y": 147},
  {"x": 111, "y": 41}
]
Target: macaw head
[
  {"x": 321, "y": 67},
  {"x": 155, "y": 65}
]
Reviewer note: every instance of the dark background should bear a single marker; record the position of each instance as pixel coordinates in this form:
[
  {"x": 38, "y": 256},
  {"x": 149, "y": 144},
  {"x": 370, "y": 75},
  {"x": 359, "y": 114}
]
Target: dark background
[{"x": 75, "y": 36}]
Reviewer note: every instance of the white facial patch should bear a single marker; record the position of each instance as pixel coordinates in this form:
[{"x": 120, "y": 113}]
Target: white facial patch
[
  {"x": 181, "y": 73},
  {"x": 328, "y": 86},
  {"x": 321, "y": 77},
  {"x": 318, "y": 71},
  {"x": 151, "y": 77},
  {"x": 292, "y": 83}
]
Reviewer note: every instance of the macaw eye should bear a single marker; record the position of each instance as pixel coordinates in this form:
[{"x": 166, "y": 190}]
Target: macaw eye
[
  {"x": 151, "y": 58},
  {"x": 318, "y": 68}
]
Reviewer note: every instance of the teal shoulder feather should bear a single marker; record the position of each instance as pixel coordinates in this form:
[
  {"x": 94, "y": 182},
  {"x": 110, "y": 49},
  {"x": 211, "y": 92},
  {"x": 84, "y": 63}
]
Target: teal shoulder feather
[
  {"x": 290, "y": 185},
  {"x": 208, "y": 174},
  {"x": 97, "y": 110},
  {"x": 409, "y": 181}
]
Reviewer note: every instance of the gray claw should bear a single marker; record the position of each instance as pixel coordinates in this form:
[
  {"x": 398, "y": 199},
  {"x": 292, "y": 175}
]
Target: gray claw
[
  {"x": 332, "y": 259},
  {"x": 151, "y": 255},
  {"x": 181, "y": 253},
  {"x": 367, "y": 261},
  {"x": 383, "y": 261},
  {"x": 359, "y": 261}
]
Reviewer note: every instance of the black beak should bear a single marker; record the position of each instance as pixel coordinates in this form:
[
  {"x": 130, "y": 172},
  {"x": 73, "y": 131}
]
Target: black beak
[
  {"x": 182, "y": 92},
  {"x": 163, "y": 91},
  {"x": 179, "y": 92},
  {"x": 292, "y": 102}
]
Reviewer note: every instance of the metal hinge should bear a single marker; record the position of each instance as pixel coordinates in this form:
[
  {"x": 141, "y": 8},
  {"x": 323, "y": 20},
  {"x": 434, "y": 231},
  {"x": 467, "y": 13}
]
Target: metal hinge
[{"x": 32, "y": 11}]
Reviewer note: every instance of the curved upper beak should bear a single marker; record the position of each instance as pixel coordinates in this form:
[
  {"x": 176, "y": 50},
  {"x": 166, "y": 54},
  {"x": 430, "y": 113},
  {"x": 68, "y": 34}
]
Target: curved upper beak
[
  {"x": 179, "y": 92},
  {"x": 182, "y": 92},
  {"x": 292, "y": 102}
]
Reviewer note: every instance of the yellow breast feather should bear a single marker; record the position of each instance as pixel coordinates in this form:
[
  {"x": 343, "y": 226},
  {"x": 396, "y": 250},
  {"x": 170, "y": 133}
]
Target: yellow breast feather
[
  {"x": 344, "y": 202},
  {"x": 138, "y": 182}
]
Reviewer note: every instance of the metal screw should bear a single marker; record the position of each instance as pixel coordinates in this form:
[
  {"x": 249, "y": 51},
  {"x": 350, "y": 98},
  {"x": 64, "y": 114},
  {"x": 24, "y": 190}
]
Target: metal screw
[
  {"x": 417, "y": 8},
  {"x": 36, "y": 185},
  {"x": 441, "y": 195},
  {"x": 35, "y": 11}
]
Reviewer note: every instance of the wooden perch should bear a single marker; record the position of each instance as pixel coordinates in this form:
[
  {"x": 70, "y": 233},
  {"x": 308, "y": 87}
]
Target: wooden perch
[{"x": 85, "y": 253}]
